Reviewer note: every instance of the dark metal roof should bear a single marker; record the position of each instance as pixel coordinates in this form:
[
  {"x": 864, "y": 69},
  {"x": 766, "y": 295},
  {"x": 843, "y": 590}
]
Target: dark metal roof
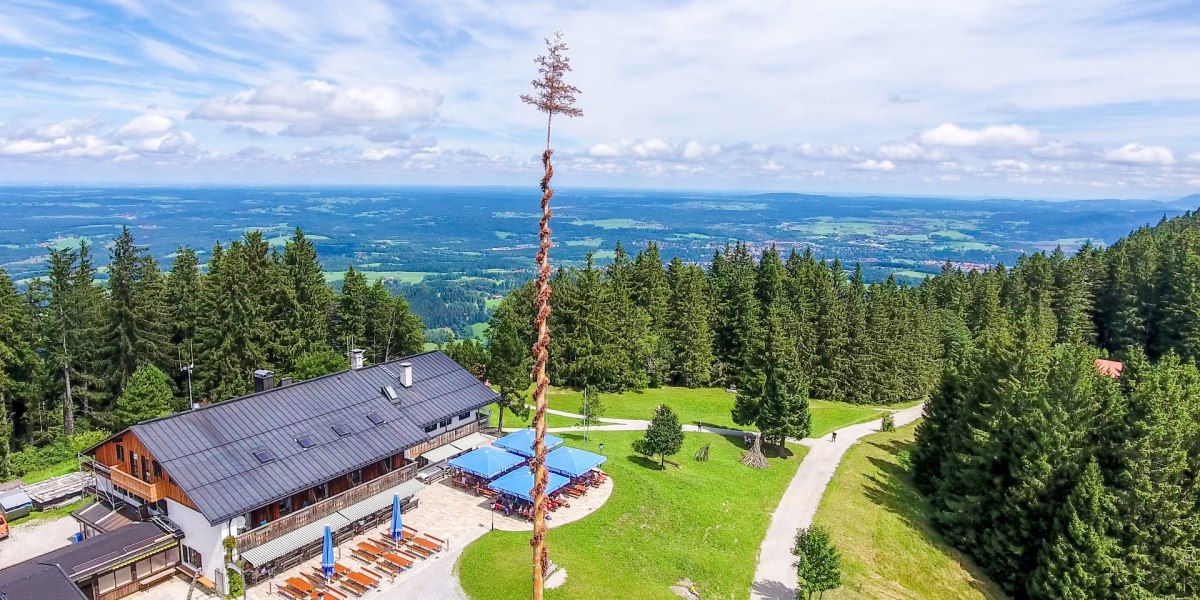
[
  {"x": 53, "y": 575},
  {"x": 209, "y": 452},
  {"x": 32, "y": 580}
]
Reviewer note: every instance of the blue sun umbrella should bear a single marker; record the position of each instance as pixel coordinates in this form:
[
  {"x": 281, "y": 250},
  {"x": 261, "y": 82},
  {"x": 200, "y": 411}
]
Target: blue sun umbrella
[
  {"x": 327, "y": 555},
  {"x": 397, "y": 522}
]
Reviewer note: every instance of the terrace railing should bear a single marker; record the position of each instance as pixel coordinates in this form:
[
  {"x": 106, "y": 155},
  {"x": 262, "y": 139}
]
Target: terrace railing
[{"x": 265, "y": 533}]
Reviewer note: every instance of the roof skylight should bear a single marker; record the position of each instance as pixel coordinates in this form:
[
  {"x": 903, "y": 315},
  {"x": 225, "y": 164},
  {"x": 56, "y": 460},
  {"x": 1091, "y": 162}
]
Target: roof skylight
[
  {"x": 375, "y": 418},
  {"x": 263, "y": 455},
  {"x": 306, "y": 441},
  {"x": 341, "y": 429}
]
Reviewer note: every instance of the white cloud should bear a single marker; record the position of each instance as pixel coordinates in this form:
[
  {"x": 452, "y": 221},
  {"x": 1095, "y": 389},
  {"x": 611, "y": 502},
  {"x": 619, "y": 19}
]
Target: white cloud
[
  {"x": 1194, "y": 158},
  {"x": 695, "y": 151},
  {"x": 910, "y": 151},
  {"x": 993, "y": 136},
  {"x": 1141, "y": 155},
  {"x": 1009, "y": 165},
  {"x": 317, "y": 107},
  {"x": 169, "y": 142},
  {"x": 603, "y": 151},
  {"x": 167, "y": 55},
  {"x": 65, "y": 128},
  {"x": 145, "y": 126},
  {"x": 836, "y": 152},
  {"x": 653, "y": 148},
  {"x": 875, "y": 165}
]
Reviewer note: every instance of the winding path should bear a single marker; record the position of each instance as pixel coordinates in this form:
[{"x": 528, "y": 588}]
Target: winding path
[{"x": 775, "y": 578}]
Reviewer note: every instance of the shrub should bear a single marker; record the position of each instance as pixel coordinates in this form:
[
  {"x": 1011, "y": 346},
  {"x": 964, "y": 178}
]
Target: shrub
[
  {"x": 235, "y": 584},
  {"x": 888, "y": 423}
]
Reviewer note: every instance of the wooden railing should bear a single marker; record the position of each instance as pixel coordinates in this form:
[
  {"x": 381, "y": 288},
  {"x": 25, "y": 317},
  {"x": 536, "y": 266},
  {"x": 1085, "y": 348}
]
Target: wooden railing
[
  {"x": 261, "y": 535},
  {"x": 152, "y": 492},
  {"x": 445, "y": 438}
]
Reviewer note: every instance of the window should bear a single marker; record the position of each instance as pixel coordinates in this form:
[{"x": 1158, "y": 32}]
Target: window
[
  {"x": 120, "y": 490},
  {"x": 120, "y": 453},
  {"x": 444, "y": 423},
  {"x": 124, "y": 576},
  {"x": 429, "y": 428},
  {"x": 306, "y": 441},
  {"x": 106, "y": 583},
  {"x": 156, "y": 469},
  {"x": 159, "y": 562},
  {"x": 385, "y": 465},
  {"x": 375, "y": 418},
  {"x": 285, "y": 506},
  {"x": 341, "y": 429},
  {"x": 323, "y": 491},
  {"x": 356, "y": 477},
  {"x": 145, "y": 470},
  {"x": 263, "y": 455},
  {"x": 142, "y": 568},
  {"x": 464, "y": 416},
  {"x": 390, "y": 392},
  {"x": 191, "y": 557}
]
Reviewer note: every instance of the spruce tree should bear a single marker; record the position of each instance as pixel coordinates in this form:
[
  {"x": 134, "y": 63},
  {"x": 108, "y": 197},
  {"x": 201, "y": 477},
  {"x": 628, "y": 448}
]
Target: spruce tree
[
  {"x": 147, "y": 396},
  {"x": 136, "y": 320},
  {"x": 18, "y": 361},
  {"x": 351, "y": 329},
  {"x": 308, "y": 299},
  {"x": 689, "y": 336},
  {"x": 1076, "y": 562},
  {"x": 651, "y": 291},
  {"x": 509, "y": 360},
  {"x": 663, "y": 438},
  {"x": 773, "y": 396}
]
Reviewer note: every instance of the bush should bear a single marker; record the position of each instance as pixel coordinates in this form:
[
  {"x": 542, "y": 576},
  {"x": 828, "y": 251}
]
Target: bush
[
  {"x": 904, "y": 459},
  {"x": 37, "y": 458},
  {"x": 888, "y": 423},
  {"x": 235, "y": 584}
]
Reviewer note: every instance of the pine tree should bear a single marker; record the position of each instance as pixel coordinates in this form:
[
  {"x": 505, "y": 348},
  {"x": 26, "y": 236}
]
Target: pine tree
[
  {"x": 854, "y": 376},
  {"x": 18, "y": 361},
  {"x": 1076, "y": 562},
  {"x": 509, "y": 360},
  {"x": 651, "y": 291},
  {"x": 304, "y": 301},
  {"x": 772, "y": 396},
  {"x": 818, "y": 562},
  {"x": 233, "y": 331},
  {"x": 136, "y": 323},
  {"x": 664, "y": 436},
  {"x": 738, "y": 310},
  {"x": 351, "y": 328},
  {"x": 689, "y": 337},
  {"x": 832, "y": 337},
  {"x": 147, "y": 396},
  {"x": 1071, "y": 300}
]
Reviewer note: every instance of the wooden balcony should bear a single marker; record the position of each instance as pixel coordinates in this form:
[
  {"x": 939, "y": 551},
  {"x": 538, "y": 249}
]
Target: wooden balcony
[
  {"x": 442, "y": 439},
  {"x": 295, "y": 520},
  {"x": 152, "y": 492}
]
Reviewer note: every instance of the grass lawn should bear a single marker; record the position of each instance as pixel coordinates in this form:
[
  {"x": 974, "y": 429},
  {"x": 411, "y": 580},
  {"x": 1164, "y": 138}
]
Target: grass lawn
[
  {"x": 702, "y": 520},
  {"x": 511, "y": 420},
  {"x": 398, "y": 276},
  {"x": 54, "y": 470},
  {"x": 708, "y": 405},
  {"x": 881, "y": 526},
  {"x": 479, "y": 331}
]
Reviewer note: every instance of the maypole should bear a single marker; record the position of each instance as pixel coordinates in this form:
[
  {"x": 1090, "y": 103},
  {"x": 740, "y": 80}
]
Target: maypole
[{"x": 551, "y": 95}]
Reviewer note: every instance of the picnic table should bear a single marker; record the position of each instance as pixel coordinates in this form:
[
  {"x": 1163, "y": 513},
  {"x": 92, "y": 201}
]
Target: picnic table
[
  {"x": 362, "y": 579},
  {"x": 300, "y": 585},
  {"x": 427, "y": 544}
]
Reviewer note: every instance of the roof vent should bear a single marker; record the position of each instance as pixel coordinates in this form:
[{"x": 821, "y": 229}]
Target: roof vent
[
  {"x": 375, "y": 418},
  {"x": 406, "y": 377}
]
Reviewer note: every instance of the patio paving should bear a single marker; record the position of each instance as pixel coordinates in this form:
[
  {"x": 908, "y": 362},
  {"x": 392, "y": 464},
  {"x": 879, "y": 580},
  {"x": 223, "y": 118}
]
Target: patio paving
[{"x": 452, "y": 514}]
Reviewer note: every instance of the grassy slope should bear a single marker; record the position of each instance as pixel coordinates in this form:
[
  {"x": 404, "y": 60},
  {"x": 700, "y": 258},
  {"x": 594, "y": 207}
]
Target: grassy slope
[
  {"x": 881, "y": 525},
  {"x": 54, "y": 470},
  {"x": 704, "y": 521},
  {"x": 54, "y": 513},
  {"x": 709, "y": 405}
]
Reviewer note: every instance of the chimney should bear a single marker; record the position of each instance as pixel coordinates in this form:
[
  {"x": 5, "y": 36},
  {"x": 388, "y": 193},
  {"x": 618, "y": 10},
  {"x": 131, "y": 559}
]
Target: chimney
[
  {"x": 356, "y": 358},
  {"x": 406, "y": 374},
  {"x": 285, "y": 381},
  {"x": 264, "y": 380}
]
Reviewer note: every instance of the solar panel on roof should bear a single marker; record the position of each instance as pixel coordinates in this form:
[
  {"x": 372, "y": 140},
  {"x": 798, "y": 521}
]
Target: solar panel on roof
[
  {"x": 306, "y": 441},
  {"x": 376, "y": 418},
  {"x": 264, "y": 456},
  {"x": 341, "y": 429}
]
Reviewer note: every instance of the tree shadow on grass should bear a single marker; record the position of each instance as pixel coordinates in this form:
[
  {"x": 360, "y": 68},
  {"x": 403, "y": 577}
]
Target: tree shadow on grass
[
  {"x": 642, "y": 461},
  {"x": 895, "y": 491}
]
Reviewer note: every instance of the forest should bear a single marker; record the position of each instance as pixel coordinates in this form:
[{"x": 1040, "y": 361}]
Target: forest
[
  {"x": 1060, "y": 480},
  {"x": 79, "y": 358}
]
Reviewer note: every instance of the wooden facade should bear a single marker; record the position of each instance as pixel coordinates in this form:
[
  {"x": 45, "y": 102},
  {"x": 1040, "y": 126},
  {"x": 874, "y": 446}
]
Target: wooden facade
[
  {"x": 445, "y": 438},
  {"x": 318, "y": 493},
  {"x": 311, "y": 514},
  {"x": 131, "y": 466}
]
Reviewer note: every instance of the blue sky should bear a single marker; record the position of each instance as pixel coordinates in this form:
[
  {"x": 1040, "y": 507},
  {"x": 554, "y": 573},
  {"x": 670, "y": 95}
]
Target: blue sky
[{"x": 1075, "y": 98}]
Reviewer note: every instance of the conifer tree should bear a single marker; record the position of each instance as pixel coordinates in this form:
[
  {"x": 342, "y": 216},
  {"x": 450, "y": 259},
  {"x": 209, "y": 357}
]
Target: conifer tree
[
  {"x": 773, "y": 396},
  {"x": 183, "y": 298},
  {"x": 832, "y": 338},
  {"x": 304, "y": 301},
  {"x": 509, "y": 360},
  {"x": 136, "y": 320},
  {"x": 1076, "y": 562},
  {"x": 737, "y": 311},
  {"x": 18, "y": 361},
  {"x": 351, "y": 329},
  {"x": 147, "y": 396},
  {"x": 690, "y": 338},
  {"x": 855, "y": 374},
  {"x": 651, "y": 291},
  {"x": 663, "y": 438}
]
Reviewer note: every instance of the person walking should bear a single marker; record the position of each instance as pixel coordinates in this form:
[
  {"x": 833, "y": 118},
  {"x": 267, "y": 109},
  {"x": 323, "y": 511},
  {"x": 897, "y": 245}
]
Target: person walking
[{"x": 834, "y": 437}]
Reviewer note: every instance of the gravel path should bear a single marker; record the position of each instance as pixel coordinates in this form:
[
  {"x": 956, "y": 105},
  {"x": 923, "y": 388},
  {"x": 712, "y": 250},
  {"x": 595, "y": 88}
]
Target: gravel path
[
  {"x": 775, "y": 578},
  {"x": 27, "y": 540}
]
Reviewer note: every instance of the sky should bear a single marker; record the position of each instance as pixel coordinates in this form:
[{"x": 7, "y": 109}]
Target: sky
[{"x": 1064, "y": 99}]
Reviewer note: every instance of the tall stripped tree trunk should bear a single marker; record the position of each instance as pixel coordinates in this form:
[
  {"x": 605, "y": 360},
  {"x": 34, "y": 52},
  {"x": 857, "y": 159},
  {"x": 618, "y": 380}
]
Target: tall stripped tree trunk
[
  {"x": 541, "y": 353},
  {"x": 552, "y": 95},
  {"x": 68, "y": 403}
]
